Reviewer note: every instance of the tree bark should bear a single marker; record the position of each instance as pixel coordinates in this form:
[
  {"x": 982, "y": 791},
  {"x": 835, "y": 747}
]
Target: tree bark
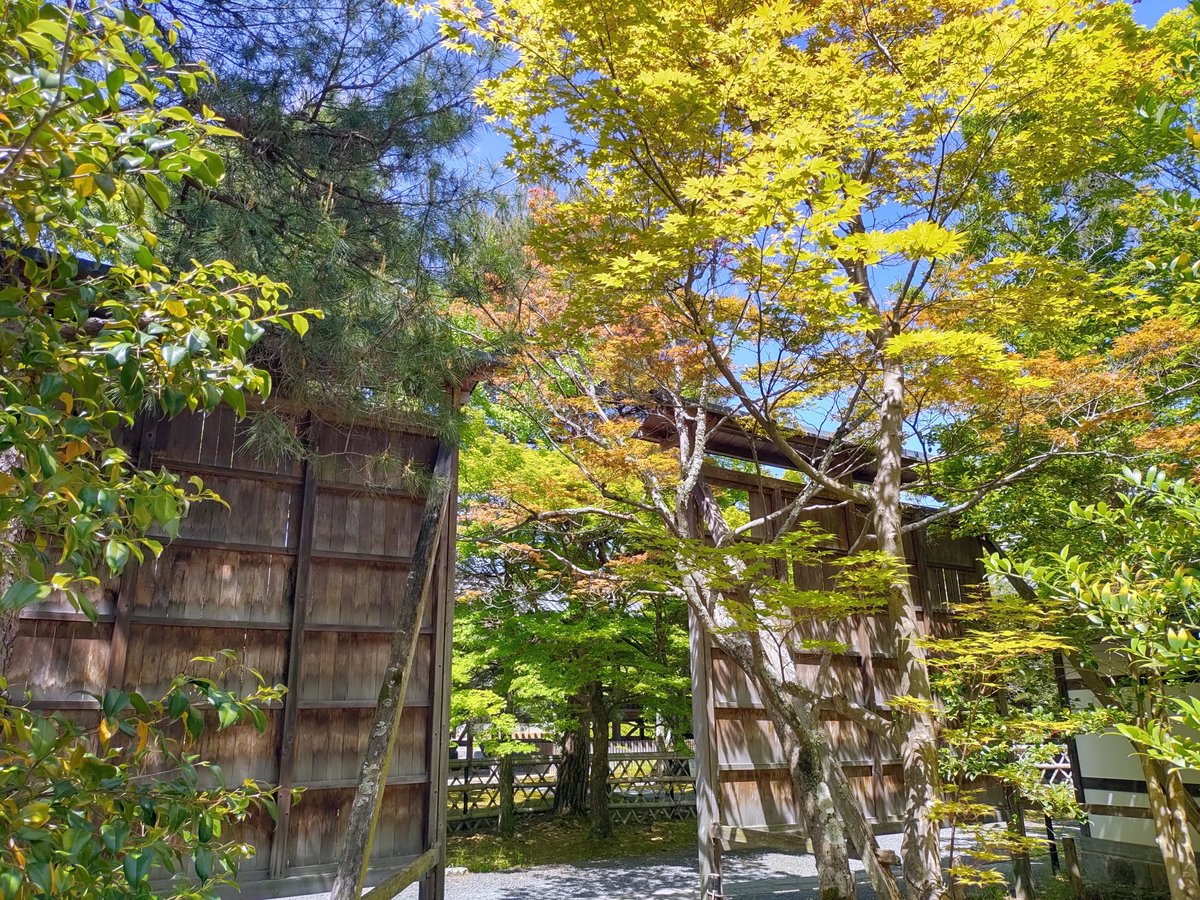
[
  {"x": 507, "y": 822},
  {"x": 10, "y": 620},
  {"x": 831, "y": 814},
  {"x": 571, "y": 789},
  {"x": 599, "y": 815},
  {"x": 811, "y": 786},
  {"x": 915, "y": 728},
  {"x": 1022, "y": 867},
  {"x": 1169, "y": 813}
]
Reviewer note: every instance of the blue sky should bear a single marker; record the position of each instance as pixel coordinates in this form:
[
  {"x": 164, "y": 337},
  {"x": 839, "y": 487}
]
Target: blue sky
[{"x": 1150, "y": 11}]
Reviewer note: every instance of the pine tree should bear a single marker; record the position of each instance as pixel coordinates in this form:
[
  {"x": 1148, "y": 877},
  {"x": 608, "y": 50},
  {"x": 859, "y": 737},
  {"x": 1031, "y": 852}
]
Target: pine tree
[{"x": 349, "y": 185}]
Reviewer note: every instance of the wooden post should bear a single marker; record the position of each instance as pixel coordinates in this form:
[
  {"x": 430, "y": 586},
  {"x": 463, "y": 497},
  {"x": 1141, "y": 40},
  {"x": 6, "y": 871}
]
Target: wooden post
[
  {"x": 433, "y": 884},
  {"x": 118, "y": 652},
  {"x": 713, "y": 889},
  {"x": 291, "y": 700},
  {"x": 1074, "y": 870},
  {"x": 359, "y": 833},
  {"x": 1064, "y": 694}
]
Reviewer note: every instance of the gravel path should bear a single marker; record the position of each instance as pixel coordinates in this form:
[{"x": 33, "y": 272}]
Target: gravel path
[{"x": 671, "y": 876}]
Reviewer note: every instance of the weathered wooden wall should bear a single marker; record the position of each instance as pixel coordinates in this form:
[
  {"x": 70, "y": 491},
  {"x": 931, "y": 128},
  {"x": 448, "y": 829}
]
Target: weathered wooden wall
[
  {"x": 743, "y": 761},
  {"x": 300, "y": 576}
]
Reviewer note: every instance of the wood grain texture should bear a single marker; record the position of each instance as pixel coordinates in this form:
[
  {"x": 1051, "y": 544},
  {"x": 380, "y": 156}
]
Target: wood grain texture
[
  {"x": 362, "y": 835},
  {"x": 751, "y": 787},
  {"x": 302, "y": 575}
]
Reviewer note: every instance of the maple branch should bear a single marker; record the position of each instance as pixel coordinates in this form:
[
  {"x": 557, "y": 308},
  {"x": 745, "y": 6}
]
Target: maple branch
[
  {"x": 791, "y": 510},
  {"x": 981, "y": 492},
  {"x": 575, "y": 512},
  {"x": 867, "y": 718},
  {"x": 768, "y": 425},
  {"x": 597, "y": 574},
  {"x": 601, "y": 488}
]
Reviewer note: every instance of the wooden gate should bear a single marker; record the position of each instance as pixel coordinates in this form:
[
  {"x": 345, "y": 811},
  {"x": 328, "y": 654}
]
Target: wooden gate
[
  {"x": 300, "y": 576},
  {"x": 743, "y": 787}
]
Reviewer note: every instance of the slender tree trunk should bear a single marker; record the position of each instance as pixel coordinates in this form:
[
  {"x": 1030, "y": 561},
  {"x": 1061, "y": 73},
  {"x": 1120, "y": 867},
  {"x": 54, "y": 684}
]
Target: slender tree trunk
[
  {"x": 1022, "y": 868},
  {"x": 831, "y": 814},
  {"x": 571, "y": 789},
  {"x": 825, "y": 829},
  {"x": 662, "y": 746},
  {"x": 805, "y": 750},
  {"x": 598, "y": 811},
  {"x": 10, "y": 620},
  {"x": 507, "y": 823},
  {"x": 1169, "y": 813},
  {"x": 916, "y": 729}
]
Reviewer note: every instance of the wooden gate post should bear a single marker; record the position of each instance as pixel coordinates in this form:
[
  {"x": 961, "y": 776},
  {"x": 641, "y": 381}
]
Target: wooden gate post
[
  {"x": 291, "y": 700},
  {"x": 1074, "y": 869},
  {"x": 359, "y": 833}
]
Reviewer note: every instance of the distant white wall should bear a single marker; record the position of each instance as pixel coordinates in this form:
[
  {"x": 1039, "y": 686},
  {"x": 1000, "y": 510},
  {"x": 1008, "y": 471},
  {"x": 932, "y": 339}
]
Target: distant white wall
[{"x": 1109, "y": 756}]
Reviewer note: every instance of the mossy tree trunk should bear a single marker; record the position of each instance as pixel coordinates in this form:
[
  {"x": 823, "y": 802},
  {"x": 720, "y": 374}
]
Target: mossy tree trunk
[
  {"x": 599, "y": 814},
  {"x": 507, "y": 823},
  {"x": 571, "y": 791}
]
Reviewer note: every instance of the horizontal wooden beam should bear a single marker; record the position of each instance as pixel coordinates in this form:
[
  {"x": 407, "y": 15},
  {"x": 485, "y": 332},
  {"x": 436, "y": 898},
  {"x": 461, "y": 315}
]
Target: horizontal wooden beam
[
  {"x": 228, "y": 546},
  {"x": 537, "y": 759},
  {"x": 184, "y": 467},
  {"x": 371, "y": 703},
  {"x": 193, "y": 622},
  {"x": 386, "y": 559},
  {"x": 73, "y": 618},
  {"x": 66, "y": 616},
  {"x": 333, "y": 784},
  {"x": 412, "y": 873},
  {"x": 353, "y": 628},
  {"x": 778, "y": 837},
  {"x": 1123, "y": 812}
]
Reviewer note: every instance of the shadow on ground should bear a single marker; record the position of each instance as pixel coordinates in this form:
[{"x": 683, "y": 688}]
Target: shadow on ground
[{"x": 750, "y": 876}]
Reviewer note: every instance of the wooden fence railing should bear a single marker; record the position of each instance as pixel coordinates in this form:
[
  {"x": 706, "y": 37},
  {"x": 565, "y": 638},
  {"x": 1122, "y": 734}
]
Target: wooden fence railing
[{"x": 644, "y": 787}]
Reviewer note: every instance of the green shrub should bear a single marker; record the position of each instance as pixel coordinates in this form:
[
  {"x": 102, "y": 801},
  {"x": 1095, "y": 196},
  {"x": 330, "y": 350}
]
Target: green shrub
[{"x": 117, "y": 806}]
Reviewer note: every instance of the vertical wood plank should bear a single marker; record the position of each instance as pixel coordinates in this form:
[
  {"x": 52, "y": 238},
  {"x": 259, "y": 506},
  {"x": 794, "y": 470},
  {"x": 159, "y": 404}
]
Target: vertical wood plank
[
  {"x": 870, "y": 697},
  {"x": 363, "y": 818},
  {"x": 118, "y": 654},
  {"x": 1064, "y": 694},
  {"x": 294, "y": 665},
  {"x": 862, "y": 638}
]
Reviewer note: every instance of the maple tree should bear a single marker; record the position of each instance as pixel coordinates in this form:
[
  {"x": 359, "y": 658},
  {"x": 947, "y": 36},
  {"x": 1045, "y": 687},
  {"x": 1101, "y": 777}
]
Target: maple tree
[
  {"x": 542, "y": 630},
  {"x": 787, "y": 218}
]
